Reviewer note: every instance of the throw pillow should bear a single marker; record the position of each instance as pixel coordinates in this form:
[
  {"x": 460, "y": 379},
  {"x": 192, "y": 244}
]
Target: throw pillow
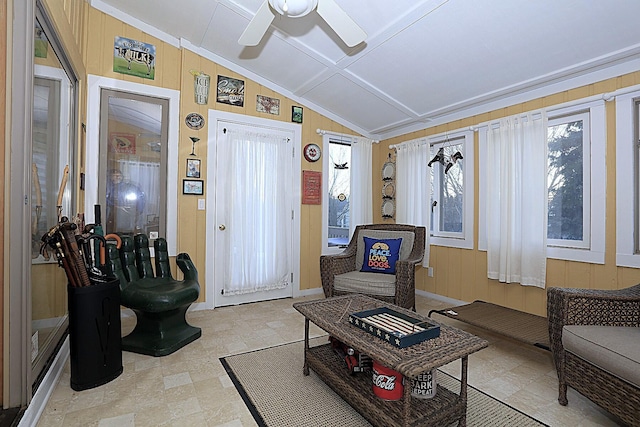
[{"x": 380, "y": 255}]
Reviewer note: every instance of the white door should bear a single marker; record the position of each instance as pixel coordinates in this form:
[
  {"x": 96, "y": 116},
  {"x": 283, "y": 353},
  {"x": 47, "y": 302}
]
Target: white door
[{"x": 252, "y": 222}]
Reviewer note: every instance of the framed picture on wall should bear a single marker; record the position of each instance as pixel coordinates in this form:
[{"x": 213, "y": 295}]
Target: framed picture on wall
[
  {"x": 296, "y": 114},
  {"x": 193, "y": 186},
  {"x": 193, "y": 168}
]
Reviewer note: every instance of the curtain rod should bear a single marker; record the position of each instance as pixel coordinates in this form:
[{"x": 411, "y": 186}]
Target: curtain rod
[
  {"x": 343, "y": 135},
  {"x": 453, "y": 134}
]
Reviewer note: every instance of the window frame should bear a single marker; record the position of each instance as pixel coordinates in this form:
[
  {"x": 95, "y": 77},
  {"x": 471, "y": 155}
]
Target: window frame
[
  {"x": 627, "y": 209},
  {"x": 594, "y": 254},
  {"x": 465, "y": 238},
  {"x": 327, "y": 137},
  {"x": 95, "y": 85}
]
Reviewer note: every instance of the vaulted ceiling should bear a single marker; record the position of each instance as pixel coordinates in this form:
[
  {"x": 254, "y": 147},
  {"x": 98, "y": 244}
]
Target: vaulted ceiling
[{"x": 423, "y": 62}]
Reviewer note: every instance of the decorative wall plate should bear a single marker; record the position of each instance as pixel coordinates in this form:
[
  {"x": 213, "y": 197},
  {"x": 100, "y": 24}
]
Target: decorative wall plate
[
  {"x": 388, "y": 190},
  {"x": 388, "y": 171},
  {"x": 194, "y": 121},
  {"x": 312, "y": 152},
  {"x": 388, "y": 209}
]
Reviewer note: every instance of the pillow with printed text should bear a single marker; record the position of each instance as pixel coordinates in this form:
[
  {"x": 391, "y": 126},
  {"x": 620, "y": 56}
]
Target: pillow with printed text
[{"x": 380, "y": 255}]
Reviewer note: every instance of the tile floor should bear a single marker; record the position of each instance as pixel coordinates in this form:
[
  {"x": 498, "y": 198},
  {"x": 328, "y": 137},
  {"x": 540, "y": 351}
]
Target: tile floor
[{"x": 190, "y": 387}]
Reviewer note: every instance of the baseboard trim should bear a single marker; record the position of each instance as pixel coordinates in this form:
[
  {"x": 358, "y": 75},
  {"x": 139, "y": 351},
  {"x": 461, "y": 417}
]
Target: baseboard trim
[
  {"x": 41, "y": 397},
  {"x": 448, "y": 300}
]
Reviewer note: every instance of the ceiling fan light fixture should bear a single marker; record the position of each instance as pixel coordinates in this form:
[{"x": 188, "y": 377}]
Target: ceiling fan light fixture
[{"x": 293, "y": 8}]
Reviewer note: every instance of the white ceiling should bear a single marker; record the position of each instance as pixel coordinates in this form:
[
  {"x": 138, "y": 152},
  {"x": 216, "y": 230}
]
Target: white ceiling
[{"x": 424, "y": 62}]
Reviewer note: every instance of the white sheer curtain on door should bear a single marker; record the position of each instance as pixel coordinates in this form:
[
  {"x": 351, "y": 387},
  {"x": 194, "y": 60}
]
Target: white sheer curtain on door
[
  {"x": 361, "y": 202},
  {"x": 516, "y": 191},
  {"x": 258, "y": 215},
  {"x": 413, "y": 181}
]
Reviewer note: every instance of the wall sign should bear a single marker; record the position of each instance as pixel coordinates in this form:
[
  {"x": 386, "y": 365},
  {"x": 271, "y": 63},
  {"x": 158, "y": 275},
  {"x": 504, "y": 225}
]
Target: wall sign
[
  {"x": 134, "y": 58},
  {"x": 265, "y": 104},
  {"x": 230, "y": 91},
  {"x": 311, "y": 188},
  {"x": 194, "y": 121}
]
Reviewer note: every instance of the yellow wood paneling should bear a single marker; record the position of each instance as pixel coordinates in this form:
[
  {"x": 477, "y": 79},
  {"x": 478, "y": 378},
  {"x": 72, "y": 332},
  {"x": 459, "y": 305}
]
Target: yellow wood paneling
[
  {"x": 472, "y": 283},
  {"x": 459, "y": 273},
  {"x": 173, "y": 71}
]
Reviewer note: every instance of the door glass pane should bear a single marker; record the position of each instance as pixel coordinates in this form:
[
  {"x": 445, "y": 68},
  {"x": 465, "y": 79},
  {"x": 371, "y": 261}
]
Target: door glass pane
[
  {"x": 339, "y": 193},
  {"x": 134, "y": 152},
  {"x": 51, "y": 154}
]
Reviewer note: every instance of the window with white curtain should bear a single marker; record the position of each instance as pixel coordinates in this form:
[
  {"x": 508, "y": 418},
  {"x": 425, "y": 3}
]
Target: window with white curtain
[
  {"x": 576, "y": 183},
  {"x": 451, "y": 199}
]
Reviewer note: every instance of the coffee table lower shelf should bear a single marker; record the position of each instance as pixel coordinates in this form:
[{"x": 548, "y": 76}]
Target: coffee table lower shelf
[{"x": 443, "y": 409}]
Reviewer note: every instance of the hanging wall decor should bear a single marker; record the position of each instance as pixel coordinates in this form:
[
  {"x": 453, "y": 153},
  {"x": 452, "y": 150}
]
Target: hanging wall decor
[
  {"x": 122, "y": 142},
  {"x": 312, "y": 152},
  {"x": 230, "y": 91},
  {"x": 193, "y": 168},
  {"x": 134, "y": 58},
  {"x": 193, "y": 139},
  {"x": 264, "y": 104},
  {"x": 193, "y": 186},
  {"x": 296, "y": 114},
  {"x": 311, "y": 187},
  {"x": 388, "y": 188},
  {"x": 194, "y": 121},
  {"x": 201, "y": 83}
]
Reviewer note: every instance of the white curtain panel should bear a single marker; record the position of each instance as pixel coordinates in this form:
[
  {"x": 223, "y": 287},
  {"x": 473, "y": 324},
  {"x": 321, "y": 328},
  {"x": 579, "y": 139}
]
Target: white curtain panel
[
  {"x": 516, "y": 213},
  {"x": 361, "y": 199},
  {"x": 259, "y": 166},
  {"x": 413, "y": 187}
]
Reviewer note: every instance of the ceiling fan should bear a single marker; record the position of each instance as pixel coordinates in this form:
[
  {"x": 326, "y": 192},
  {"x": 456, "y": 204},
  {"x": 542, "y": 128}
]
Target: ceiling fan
[{"x": 338, "y": 20}]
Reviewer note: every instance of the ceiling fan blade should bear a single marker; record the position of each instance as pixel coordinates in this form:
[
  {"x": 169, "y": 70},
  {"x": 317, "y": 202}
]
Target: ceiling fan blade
[
  {"x": 258, "y": 26},
  {"x": 341, "y": 23}
]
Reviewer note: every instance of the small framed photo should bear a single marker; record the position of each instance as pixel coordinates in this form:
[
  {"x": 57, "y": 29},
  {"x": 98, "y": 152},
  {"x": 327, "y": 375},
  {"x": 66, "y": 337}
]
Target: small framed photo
[
  {"x": 193, "y": 186},
  {"x": 193, "y": 168},
  {"x": 296, "y": 114}
]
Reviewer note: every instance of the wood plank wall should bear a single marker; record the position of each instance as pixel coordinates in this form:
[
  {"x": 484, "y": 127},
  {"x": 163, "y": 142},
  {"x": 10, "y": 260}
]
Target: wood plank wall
[
  {"x": 462, "y": 274},
  {"x": 173, "y": 71},
  {"x": 459, "y": 273}
]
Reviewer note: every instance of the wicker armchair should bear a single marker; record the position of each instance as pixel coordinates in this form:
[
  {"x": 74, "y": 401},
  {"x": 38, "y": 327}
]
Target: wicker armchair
[
  {"x": 402, "y": 284},
  {"x": 612, "y": 308}
]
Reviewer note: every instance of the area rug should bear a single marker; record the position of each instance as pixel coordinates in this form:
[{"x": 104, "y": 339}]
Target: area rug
[
  {"x": 277, "y": 394},
  {"x": 515, "y": 324}
]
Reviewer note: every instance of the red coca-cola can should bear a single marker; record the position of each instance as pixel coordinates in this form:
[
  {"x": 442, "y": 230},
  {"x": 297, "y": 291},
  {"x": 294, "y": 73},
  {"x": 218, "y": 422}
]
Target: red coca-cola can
[{"x": 387, "y": 383}]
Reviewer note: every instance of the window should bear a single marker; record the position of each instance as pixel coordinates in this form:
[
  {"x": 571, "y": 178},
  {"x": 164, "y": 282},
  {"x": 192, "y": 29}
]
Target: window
[
  {"x": 337, "y": 182},
  {"x": 452, "y": 189},
  {"x": 627, "y": 179},
  {"x": 339, "y": 191},
  {"x": 576, "y": 180},
  {"x": 568, "y": 180}
]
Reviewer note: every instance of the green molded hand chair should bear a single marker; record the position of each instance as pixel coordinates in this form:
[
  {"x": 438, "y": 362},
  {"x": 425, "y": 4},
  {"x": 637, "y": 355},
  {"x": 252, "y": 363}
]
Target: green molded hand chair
[{"x": 159, "y": 301}]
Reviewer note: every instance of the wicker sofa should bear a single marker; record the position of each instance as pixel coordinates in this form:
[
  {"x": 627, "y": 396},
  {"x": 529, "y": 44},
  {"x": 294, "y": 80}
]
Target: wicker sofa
[
  {"x": 595, "y": 340},
  {"x": 341, "y": 273}
]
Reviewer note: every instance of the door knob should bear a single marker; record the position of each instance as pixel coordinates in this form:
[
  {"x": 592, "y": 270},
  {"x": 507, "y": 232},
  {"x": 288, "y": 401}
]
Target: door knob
[{"x": 221, "y": 227}]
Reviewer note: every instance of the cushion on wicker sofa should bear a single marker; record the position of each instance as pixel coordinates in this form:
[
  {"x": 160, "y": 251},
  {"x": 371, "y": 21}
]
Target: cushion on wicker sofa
[{"x": 615, "y": 349}]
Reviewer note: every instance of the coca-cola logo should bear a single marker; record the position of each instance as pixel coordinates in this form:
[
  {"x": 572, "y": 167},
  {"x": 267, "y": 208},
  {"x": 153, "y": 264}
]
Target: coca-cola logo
[{"x": 385, "y": 382}]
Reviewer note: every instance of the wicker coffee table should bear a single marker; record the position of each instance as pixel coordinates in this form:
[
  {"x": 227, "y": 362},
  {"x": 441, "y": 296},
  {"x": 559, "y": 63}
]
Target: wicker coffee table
[{"x": 446, "y": 407}]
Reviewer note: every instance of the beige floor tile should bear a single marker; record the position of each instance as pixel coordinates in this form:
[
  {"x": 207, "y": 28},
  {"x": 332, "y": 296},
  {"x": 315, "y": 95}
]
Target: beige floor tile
[{"x": 191, "y": 388}]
